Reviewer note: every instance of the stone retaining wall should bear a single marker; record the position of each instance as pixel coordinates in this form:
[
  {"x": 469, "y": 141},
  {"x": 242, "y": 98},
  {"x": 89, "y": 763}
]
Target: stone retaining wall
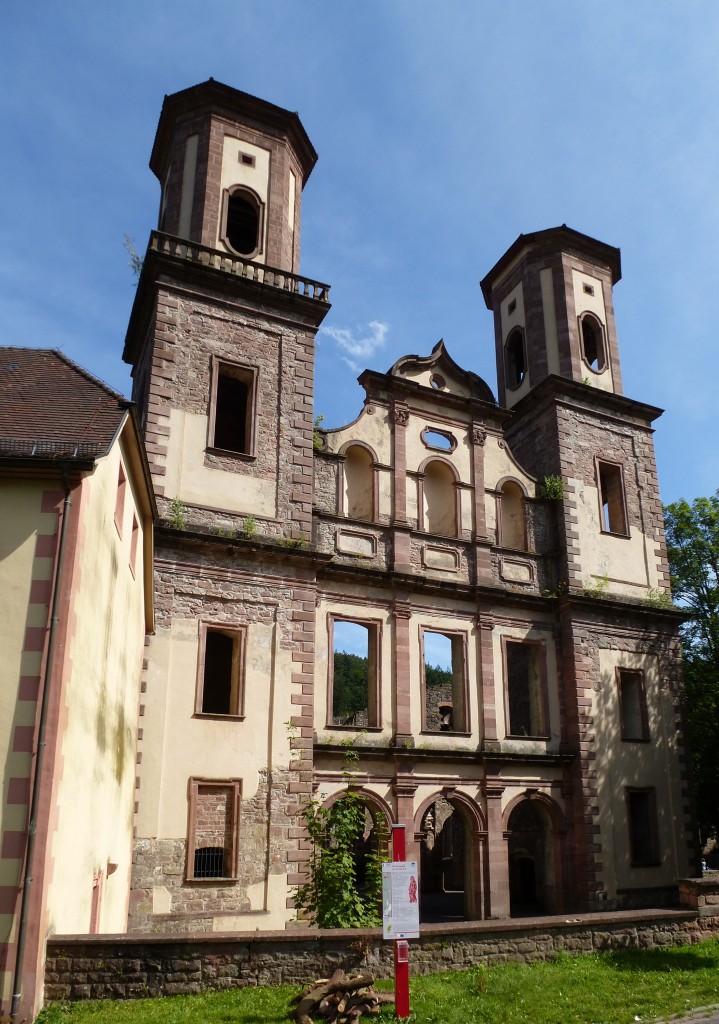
[{"x": 128, "y": 967}]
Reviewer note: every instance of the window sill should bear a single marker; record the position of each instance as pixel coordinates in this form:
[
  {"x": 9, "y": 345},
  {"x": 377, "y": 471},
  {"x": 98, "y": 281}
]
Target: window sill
[
  {"x": 645, "y": 864},
  {"x": 636, "y": 739},
  {"x": 446, "y": 732},
  {"x": 226, "y": 453},
  {"x": 511, "y": 736},
  {"x": 615, "y": 533},
  {"x": 218, "y": 717},
  {"x": 215, "y": 879},
  {"x": 353, "y": 728}
]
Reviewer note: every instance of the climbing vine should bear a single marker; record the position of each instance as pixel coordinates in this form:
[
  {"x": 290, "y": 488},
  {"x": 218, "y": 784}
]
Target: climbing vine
[{"x": 335, "y": 896}]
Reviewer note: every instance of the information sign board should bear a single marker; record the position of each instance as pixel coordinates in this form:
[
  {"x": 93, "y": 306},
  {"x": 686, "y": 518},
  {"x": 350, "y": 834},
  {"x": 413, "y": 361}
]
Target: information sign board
[{"x": 400, "y": 900}]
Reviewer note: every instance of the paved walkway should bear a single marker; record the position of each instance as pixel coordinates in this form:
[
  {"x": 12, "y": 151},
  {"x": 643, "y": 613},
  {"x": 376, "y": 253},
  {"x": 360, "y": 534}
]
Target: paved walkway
[{"x": 702, "y": 1015}]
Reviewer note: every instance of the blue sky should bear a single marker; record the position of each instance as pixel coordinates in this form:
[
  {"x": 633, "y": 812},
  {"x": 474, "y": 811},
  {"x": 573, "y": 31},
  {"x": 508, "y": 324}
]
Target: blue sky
[{"x": 443, "y": 132}]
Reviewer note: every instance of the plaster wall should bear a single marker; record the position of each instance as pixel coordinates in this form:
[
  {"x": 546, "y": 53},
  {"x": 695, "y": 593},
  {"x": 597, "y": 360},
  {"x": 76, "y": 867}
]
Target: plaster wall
[
  {"x": 544, "y": 636},
  {"x": 508, "y": 321},
  {"x": 207, "y": 746},
  {"x": 235, "y": 172},
  {"x": 96, "y": 788},
  {"x": 362, "y": 613},
  {"x": 189, "y": 479},
  {"x": 584, "y": 302},
  {"x": 549, "y": 316},
  {"x": 622, "y": 763},
  {"x": 628, "y": 564},
  {"x": 372, "y": 427}
]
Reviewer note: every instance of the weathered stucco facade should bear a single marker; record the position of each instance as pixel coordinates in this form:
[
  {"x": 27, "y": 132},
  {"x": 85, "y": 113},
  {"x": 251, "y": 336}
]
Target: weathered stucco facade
[
  {"x": 543, "y": 769},
  {"x": 76, "y": 580}
]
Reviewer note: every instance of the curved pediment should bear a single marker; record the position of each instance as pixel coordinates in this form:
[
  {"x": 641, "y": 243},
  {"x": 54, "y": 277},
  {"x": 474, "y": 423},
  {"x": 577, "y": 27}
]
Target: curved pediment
[{"x": 439, "y": 372}]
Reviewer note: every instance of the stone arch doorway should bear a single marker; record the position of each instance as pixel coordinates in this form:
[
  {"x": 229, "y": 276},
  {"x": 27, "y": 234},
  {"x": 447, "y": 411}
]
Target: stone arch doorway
[
  {"x": 534, "y": 860},
  {"x": 450, "y": 860},
  {"x": 375, "y": 837}
]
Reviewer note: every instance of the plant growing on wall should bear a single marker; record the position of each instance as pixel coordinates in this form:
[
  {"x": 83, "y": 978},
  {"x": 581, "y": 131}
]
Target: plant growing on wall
[
  {"x": 317, "y": 439},
  {"x": 178, "y": 514},
  {"x": 343, "y": 889},
  {"x": 552, "y": 488}
]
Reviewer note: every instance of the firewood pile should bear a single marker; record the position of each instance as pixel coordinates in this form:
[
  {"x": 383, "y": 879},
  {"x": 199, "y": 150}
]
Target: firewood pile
[{"x": 342, "y": 999}]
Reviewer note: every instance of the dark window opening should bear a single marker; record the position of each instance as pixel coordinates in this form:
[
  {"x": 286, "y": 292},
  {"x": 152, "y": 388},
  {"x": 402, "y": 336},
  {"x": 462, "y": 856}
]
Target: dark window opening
[
  {"x": 515, "y": 358},
  {"x": 217, "y": 680},
  {"x": 243, "y": 224},
  {"x": 592, "y": 343},
  {"x": 210, "y": 862},
  {"x": 611, "y": 499},
  {"x": 643, "y": 838},
  {"x": 444, "y": 683},
  {"x": 354, "y": 675},
  {"x": 232, "y": 400},
  {"x": 220, "y": 684},
  {"x": 525, "y": 690},
  {"x": 632, "y": 705}
]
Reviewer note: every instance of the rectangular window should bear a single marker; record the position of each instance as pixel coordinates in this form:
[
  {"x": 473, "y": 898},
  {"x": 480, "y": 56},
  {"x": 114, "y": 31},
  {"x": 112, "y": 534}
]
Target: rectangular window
[
  {"x": 612, "y": 506},
  {"x": 354, "y": 674},
  {"x": 525, "y": 692},
  {"x": 214, "y": 816},
  {"x": 220, "y": 672},
  {"x": 632, "y": 705},
  {"x": 232, "y": 411},
  {"x": 643, "y": 835},
  {"x": 444, "y": 682},
  {"x": 120, "y": 499}
]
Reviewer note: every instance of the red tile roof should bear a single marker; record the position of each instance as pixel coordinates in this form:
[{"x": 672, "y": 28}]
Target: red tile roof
[{"x": 51, "y": 407}]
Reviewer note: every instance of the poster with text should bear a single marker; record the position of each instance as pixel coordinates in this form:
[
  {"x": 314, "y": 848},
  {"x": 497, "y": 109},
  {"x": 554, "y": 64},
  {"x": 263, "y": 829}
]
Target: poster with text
[{"x": 400, "y": 900}]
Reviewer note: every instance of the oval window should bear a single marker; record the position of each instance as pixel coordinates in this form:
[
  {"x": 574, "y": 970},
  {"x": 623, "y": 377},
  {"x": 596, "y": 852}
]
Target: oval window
[
  {"x": 243, "y": 224},
  {"x": 440, "y": 439},
  {"x": 516, "y": 362},
  {"x": 593, "y": 344}
]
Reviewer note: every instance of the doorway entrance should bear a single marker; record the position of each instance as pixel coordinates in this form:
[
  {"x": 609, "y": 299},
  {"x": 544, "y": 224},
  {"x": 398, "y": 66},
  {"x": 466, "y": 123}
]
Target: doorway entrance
[{"x": 443, "y": 864}]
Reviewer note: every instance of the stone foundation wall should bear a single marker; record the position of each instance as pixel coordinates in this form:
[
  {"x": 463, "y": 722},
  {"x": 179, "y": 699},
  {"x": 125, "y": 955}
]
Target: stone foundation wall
[{"x": 128, "y": 967}]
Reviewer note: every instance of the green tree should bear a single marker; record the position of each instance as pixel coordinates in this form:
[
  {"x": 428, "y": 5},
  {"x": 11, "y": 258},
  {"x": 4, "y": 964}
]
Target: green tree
[
  {"x": 349, "y": 684},
  {"x": 693, "y": 548},
  {"x": 343, "y": 889}
]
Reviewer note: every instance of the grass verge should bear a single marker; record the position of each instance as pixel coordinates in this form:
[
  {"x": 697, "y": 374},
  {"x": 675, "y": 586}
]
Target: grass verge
[{"x": 606, "y": 988}]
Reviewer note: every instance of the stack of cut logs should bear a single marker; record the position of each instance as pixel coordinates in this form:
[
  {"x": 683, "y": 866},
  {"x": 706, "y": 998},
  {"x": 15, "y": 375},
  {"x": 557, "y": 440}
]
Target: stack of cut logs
[{"x": 341, "y": 998}]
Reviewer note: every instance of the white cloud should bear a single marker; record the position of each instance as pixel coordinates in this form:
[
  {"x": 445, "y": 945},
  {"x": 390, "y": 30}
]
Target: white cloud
[{"x": 358, "y": 351}]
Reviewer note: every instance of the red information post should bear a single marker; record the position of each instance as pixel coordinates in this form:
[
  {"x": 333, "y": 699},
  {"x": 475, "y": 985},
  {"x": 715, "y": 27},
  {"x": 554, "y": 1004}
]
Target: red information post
[{"x": 401, "y": 946}]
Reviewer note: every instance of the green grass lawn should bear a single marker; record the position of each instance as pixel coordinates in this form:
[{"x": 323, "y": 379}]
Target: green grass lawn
[{"x": 606, "y": 988}]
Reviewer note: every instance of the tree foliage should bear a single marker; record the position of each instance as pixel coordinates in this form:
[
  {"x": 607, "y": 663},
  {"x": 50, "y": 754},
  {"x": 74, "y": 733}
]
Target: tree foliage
[
  {"x": 349, "y": 685},
  {"x": 693, "y": 548},
  {"x": 344, "y": 887}
]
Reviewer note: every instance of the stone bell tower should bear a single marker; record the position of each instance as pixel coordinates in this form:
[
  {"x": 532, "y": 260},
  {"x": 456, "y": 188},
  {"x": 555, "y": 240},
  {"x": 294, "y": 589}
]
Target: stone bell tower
[
  {"x": 221, "y": 337},
  {"x": 551, "y": 294}
]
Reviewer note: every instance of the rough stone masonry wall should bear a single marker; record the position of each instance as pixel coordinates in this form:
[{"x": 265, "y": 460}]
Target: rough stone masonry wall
[
  {"x": 189, "y": 331},
  {"x": 120, "y": 967}
]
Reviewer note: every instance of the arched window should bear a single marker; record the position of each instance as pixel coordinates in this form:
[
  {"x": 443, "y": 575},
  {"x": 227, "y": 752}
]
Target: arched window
[
  {"x": 512, "y": 520},
  {"x": 440, "y": 504},
  {"x": 593, "y": 343},
  {"x": 358, "y": 483},
  {"x": 515, "y": 358},
  {"x": 242, "y": 222}
]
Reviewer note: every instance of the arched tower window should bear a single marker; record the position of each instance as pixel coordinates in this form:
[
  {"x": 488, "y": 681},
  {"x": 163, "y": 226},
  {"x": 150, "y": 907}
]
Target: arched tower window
[
  {"x": 242, "y": 221},
  {"x": 593, "y": 343},
  {"x": 512, "y": 518},
  {"x": 440, "y": 505},
  {"x": 358, "y": 483},
  {"x": 515, "y": 358}
]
